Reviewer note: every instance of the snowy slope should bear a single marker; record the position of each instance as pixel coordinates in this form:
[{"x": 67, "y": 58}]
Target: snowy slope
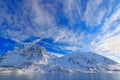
[
  {"x": 24, "y": 57},
  {"x": 34, "y": 58},
  {"x": 87, "y": 61}
]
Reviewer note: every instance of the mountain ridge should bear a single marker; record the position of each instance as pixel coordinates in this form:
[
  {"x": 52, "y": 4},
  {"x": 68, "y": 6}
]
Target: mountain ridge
[{"x": 34, "y": 58}]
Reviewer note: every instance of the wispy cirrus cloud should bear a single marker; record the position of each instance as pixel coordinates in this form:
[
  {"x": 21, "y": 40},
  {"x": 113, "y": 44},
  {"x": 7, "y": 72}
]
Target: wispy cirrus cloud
[
  {"x": 33, "y": 19},
  {"x": 108, "y": 40},
  {"x": 109, "y": 22},
  {"x": 94, "y": 12},
  {"x": 92, "y": 25}
]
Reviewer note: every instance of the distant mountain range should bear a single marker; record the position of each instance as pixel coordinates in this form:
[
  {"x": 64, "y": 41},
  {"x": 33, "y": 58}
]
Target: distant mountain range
[{"x": 34, "y": 58}]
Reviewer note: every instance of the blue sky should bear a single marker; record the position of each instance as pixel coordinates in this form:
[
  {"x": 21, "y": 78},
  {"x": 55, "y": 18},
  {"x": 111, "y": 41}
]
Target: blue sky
[{"x": 62, "y": 26}]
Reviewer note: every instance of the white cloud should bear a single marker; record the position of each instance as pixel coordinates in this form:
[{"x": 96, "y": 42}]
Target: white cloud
[
  {"x": 93, "y": 12},
  {"x": 40, "y": 23},
  {"x": 111, "y": 44},
  {"x": 107, "y": 41},
  {"x": 109, "y": 38},
  {"x": 72, "y": 9},
  {"x": 111, "y": 20},
  {"x": 70, "y": 47},
  {"x": 42, "y": 17}
]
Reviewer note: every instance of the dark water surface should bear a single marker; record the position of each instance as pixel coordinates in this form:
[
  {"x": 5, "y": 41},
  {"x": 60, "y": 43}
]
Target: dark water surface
[{"x": 60, "y": 76}]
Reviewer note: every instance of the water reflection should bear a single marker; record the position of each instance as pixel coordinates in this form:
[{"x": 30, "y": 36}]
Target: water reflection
[{"x": 61, "y": 76}]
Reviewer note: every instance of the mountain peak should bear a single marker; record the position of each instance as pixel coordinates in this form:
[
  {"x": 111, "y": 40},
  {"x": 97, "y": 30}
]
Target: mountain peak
[
  {"x": 25, "y": 55},
  {"x": 35, "y": 58}
]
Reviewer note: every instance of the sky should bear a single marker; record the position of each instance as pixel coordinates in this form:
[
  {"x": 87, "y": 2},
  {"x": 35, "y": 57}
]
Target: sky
[{"x": 62, "y": 26}]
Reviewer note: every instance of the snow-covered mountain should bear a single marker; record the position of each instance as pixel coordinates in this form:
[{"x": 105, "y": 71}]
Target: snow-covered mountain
[
  {"x": 88, "y": 61},
  {"x": 34, "y": 58}
]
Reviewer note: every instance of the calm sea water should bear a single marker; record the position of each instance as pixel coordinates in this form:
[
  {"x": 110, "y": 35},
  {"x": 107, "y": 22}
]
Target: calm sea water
[{"x": 61, "y": 76}]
